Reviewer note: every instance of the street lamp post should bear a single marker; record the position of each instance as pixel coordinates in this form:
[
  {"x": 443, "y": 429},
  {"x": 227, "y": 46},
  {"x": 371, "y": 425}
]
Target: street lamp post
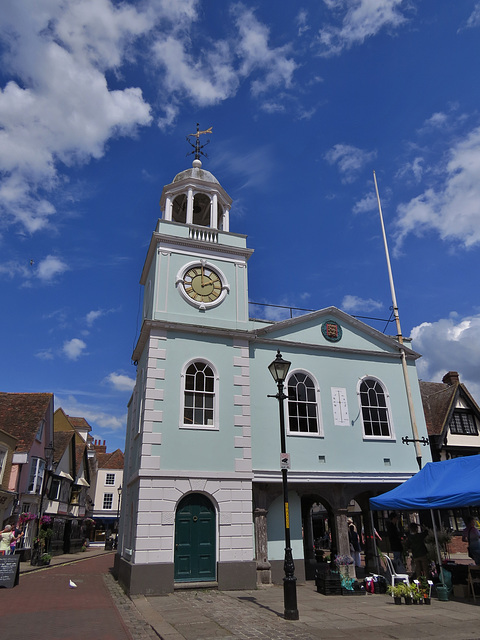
[
  {"x": 279, "y": 369},
  {"x": 118, "y": 513}
]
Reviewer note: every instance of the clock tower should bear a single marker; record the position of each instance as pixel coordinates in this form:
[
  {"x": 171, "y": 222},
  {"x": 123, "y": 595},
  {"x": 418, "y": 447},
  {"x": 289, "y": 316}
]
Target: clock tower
[
  {"x": 188, "y": 460},
  {"x": 196, "y": 269}
]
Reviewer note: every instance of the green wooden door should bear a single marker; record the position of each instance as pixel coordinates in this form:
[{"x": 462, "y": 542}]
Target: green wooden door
[{"x": 195, "y": 540}]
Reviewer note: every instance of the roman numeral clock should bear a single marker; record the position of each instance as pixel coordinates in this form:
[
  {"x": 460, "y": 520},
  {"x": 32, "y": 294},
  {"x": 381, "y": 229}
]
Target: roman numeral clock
[{"x": 202, "y": 284}]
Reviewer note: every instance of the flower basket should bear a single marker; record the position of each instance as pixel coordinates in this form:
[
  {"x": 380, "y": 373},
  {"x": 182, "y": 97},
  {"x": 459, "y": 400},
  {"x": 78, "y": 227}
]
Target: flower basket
[{"x": 45, "y": 559}]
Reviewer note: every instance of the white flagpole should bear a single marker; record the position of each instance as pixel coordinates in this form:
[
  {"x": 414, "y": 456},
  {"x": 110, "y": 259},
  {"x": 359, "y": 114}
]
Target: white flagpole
[{"x": 399, "y": 336}]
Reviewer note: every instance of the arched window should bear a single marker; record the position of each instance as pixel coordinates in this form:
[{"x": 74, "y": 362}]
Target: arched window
[
  {"x": 375, "y": 409},
  {"x": 303, "y": 408},
  {"x": 201, "y": 210},
  {"x": 199, "y": 396},
  {"x": 179, "y": 208}
]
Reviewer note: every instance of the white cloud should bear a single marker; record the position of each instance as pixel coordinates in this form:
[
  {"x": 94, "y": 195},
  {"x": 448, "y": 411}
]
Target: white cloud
[
  {"x": 351, "y": 304},
  {"x": 436, "y": 121},
  {"x": 451, "y": 209},
  {"x": 94, "y": 415},
  {"x": 45, "y": 354},
  {"x": 360, "y": 19},
  {"x": 350, "y": 160},
  {"x": 252, "y": 47},
  {"x": 49, "y": 268},
  {"x": 215, "y": 74},
  {"x": 95, "y": 314},
  {"x": 120, "y": 381},
  {"x": 368, "y": 203},
  {"x": 74, "y": 348},
  {"x": 413, "y": 168},
  {"x": 474, "y": 18},
  {"x": 205, "y": 82},
  {"x": 59, "y": 109},
  {"x": 302, "y": 22},
  {"x": 92, "y": 316},
  {"x": 450, "y": 344}
]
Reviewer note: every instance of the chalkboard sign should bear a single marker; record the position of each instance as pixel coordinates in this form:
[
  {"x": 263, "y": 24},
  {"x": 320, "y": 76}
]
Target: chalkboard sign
[{"x": 9, "y": 571}]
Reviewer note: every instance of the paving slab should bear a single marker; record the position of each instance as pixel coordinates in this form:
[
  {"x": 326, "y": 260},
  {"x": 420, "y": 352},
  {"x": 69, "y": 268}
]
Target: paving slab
[{"x": 258, "y": 614}]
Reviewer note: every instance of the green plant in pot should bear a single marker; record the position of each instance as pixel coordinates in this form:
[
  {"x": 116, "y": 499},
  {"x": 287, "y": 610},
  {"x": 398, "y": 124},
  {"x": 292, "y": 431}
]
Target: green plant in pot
[
  {"x": 416, "y": 593},
  {"x": 425, "y": 589},
  {"x": 398, "y": 590},
  {"x": 45, "y": 558}
]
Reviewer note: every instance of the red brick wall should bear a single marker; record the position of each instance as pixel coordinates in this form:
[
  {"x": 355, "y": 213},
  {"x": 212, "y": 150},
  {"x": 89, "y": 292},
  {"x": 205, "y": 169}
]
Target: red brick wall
[{"x": 457, "y": 546}]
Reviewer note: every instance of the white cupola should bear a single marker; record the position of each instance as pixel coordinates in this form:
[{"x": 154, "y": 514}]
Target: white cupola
[{"x": 196, "y": 198}]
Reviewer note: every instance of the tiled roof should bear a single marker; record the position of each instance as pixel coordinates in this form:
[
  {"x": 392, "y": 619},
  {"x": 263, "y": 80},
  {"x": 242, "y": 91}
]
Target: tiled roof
[
  {"x": 80, "y": 423},
  {"x": 21, "y": 413},
  {"x": 79, "y": 453},
  {"x": 437, "y": 398},
  {"x": 61, "y": 440},
  {"x": 113, "y": 460}
]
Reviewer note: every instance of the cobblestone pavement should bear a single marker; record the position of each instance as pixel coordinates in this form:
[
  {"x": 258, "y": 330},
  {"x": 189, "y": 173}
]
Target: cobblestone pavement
[{"x": 245, "y": 615}]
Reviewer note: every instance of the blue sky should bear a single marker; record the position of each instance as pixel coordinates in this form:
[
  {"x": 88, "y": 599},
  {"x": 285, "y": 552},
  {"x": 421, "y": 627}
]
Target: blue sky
[{"x": 306, "y": 100}]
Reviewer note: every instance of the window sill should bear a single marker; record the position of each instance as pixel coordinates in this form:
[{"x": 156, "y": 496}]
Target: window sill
[
  {"x": 303, "y": 434},
  {"x": 199, "y": 427}
]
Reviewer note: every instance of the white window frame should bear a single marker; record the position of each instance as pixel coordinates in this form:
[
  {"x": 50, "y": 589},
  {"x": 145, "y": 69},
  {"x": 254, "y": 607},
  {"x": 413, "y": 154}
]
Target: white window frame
[
  {"x": 40, "y": 429},
  {"x": 56, "y": 481},
  {"x": 216, "y": 394},
  {"x": 303, "y": 434},
  {"x": 110, "y": 476},
  {"x": 111, "y": 503},
  {"x": 37, "y": 473},
  {"x": 3, "y": 462},
  {"x": 388, "y": 408}
]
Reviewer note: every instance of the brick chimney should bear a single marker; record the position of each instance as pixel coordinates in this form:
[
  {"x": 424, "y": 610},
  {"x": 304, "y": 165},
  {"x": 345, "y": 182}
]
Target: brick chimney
[
  {"x": 99, "y": 447},
  {"x": 451, "y": 378}
]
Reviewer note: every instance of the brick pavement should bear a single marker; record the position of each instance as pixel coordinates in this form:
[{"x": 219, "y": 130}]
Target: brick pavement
[{"x": 44, "y": 606}]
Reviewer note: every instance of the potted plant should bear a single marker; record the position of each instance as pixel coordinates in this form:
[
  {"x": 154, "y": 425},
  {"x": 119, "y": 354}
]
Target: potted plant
[
  {"x": 397, "y": 591},
  {"x": 416, "y": 593},
  {"x": 406, "y": 592},
  {"x": 45, "y": 558},
  {"x": 426, "y": 589}
]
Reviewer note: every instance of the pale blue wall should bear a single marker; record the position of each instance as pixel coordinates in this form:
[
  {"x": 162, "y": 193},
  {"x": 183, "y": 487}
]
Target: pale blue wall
[
  {"x": 198, "y": 449},
  {"x": 276, "y": 528},
  {"x": 344, "y": 447}
]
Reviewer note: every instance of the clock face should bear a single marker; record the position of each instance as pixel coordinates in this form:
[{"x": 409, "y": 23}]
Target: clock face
[{"x": 202, "y": 284}]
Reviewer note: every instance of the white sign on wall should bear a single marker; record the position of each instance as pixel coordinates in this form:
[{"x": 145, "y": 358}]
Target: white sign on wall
[{"x": 340, "y": 407}]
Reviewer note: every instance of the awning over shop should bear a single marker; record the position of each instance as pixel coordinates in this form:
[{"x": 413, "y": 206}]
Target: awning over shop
[{"x": 439, "y": 485}]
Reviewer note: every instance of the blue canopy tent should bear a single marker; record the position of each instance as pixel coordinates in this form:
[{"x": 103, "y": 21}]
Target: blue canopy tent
[{"x": 439, "y": 485}]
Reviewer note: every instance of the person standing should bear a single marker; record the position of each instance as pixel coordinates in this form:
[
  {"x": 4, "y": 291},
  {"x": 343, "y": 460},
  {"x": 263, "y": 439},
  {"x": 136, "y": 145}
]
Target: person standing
[
  {"x": 416, "y": 542},
  {"x": 6, "y": 537},
  {"x": 396, "y": 544},
  {"x": 471, "y": 535},
  {"x": 354, "y": 543},
  {"x": 17, "y": 536}
]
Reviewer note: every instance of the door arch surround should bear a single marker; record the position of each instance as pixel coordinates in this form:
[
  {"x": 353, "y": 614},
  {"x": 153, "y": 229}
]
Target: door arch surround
[{"x": 195, "y": 539}]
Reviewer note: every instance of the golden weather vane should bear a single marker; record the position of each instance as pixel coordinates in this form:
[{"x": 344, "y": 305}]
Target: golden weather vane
[{"x": 197, "y": 147}]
